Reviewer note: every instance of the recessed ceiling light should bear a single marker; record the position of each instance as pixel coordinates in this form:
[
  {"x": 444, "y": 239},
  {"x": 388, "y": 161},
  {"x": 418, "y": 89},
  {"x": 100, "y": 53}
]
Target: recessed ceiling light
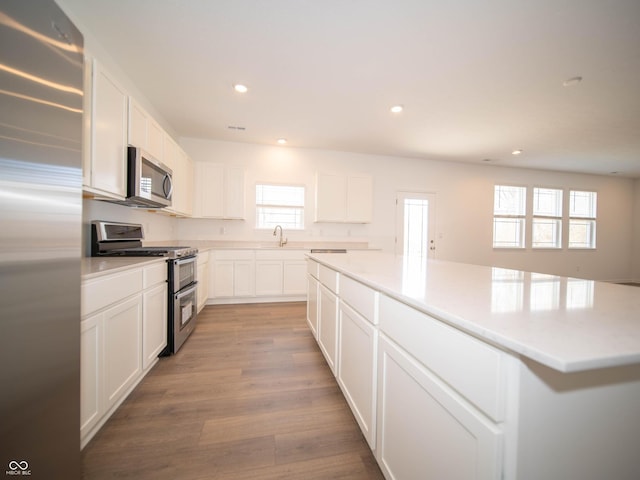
[
  {"x": 282, "y": 141},
  {"x": 486, "y": 159},
  {"x": 516, "y": 152},
  {"x": 570, "y": 82},
  {"x": 396, "y": 109},
  {"x": 238, "y": 87}
]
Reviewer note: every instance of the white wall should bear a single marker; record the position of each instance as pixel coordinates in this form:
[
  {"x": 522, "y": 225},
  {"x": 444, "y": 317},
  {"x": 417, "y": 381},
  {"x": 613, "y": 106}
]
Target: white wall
[
  {"x": 158, "y": 227},
  {"x": 464, "y": 205}
]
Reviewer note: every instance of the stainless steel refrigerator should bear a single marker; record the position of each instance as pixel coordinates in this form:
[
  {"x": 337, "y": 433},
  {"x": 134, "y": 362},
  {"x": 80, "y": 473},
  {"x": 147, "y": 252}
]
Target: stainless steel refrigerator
[{"x": 41, "y": 98}]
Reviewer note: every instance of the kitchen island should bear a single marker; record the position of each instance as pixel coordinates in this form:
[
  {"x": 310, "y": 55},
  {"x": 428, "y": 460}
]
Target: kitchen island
[{"x": 465, "y": 371}]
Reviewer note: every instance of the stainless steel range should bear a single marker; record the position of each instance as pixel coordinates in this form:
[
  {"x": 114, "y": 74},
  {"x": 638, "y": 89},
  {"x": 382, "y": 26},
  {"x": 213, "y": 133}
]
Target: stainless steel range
[{"x": 115, "y": 239}]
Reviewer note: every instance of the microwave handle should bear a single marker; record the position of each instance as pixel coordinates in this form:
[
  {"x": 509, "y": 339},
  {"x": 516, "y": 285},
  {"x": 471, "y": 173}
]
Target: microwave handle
[{"x": 167, "y": 179}]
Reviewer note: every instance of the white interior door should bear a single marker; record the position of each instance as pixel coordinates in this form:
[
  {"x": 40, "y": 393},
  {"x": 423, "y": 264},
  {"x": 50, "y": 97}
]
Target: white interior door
[{"x": 416, "y": 224}]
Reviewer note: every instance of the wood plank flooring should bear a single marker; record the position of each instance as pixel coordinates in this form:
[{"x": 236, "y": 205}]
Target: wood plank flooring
[{"x": 249, "y": 396}]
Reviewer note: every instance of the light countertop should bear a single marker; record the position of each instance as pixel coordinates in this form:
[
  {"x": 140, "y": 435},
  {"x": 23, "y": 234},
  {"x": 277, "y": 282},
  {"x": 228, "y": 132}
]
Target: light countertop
[
  {"x": 273, "y": 244},
  {"x": 92, "y": 267},
  {"x": 568, "y": 324}
]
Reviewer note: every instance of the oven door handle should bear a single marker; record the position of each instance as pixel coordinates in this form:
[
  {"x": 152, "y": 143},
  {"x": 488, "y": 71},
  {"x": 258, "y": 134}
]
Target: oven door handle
[
  {"x": 185, "y": 260},
  {"x": 183, "y": 293}
]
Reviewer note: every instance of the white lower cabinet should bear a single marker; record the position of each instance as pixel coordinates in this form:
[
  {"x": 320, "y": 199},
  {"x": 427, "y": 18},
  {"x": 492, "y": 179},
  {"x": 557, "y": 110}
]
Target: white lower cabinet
[
  {"x": 252, "y": 275},
  {"x": 425, "y": 430},
  {"x": 203, "y": 279},
  {"x": 154, "y": 324},
  {"x": 232, "y": 274},
  {"x": 91, "y": 403},
  {"x": 122, "y": 342},
  {"x": 312, "y": 304},
  {"x": 328, "y": 326},
  {"x": 123, "y": 329},
  {"x": 268, "y": 277},
  {"x": 294, "y": 273},
  {"x": 357, "y": 358}
]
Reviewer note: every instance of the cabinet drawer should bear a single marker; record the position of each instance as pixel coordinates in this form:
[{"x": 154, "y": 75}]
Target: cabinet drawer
[
  {"x": 275, "y": 254},
  {"x": 329, "y": 278},
  {"x": 234, "y": 255},
  {"x": 471, "y": 367},
  {"x": 154, "y": 274},
  {"x": 361, "y": 298},
  {"x": 104, "y": 291},
  {"x": 313, "y": 268},
  {"x": 203, "y": 257}
]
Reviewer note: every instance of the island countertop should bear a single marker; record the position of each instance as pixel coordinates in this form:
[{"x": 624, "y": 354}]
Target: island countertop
[{"x": 567, "y": 324}]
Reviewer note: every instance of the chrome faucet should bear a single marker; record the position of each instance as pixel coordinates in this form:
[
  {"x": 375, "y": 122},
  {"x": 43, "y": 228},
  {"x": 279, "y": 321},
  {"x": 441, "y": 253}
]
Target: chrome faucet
[{"x": 275, "y": 230}]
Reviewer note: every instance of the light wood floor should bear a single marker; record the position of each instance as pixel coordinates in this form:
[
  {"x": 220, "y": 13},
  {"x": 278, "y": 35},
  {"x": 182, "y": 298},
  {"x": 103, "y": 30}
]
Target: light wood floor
[{"x": 249, "y": 396}]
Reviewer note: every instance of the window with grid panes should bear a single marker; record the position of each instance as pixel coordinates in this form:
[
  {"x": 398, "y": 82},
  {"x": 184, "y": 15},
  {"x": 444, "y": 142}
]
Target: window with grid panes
[
  {"x": 582, "y": 219},
  {"x": 546, "y": 228},
  {"x": 280, "y": 205},
  {"x": 509, "y": 204}
]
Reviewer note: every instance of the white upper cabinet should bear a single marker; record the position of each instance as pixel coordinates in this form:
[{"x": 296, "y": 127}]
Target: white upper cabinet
[
  {"x": 359, "y": 199},
  {"x": 234, "y": 193},
  {"x": 219, "y": 191},
  {"x": 106, "y": 129},
  {"x": 144, "y": 131},
  {"x": 209, "y": 190},
  {"x": 183, "y": 180},
  {"x": 344, "y": 198}
]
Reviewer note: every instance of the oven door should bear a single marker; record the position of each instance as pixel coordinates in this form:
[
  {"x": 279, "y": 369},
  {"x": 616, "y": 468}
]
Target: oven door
[
  {"x": 184, "y": 273},
  {"x": 185, "y": 309}
]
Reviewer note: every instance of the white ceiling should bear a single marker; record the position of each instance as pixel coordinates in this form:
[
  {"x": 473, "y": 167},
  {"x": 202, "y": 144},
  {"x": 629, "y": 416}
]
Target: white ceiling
[{"x": 477, "y": 78}]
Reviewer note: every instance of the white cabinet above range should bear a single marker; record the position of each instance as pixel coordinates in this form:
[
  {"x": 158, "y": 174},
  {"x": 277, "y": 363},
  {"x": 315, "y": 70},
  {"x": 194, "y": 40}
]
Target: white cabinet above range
[{"x": 144, "y": 131}]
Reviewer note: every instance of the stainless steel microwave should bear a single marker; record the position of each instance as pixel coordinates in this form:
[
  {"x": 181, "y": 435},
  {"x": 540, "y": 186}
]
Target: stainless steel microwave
[{"x": 149, "y": 181}]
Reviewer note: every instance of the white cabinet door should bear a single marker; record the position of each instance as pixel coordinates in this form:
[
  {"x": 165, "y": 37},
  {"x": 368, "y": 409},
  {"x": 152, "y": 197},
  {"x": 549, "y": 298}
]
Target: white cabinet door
[
  {"x": 328, "y": 326},
  {"x": 91, "y": 406},
  {"x": 137, "y": 125},
  {"x": 209, "y": 190},
  {"x": 222, "y": 279},
  {"x": 426, "y": 431},
  {"x": 234, "y": 193},
  {"x": 331, "y": 198},
  {"x": 232, "y": 278},
  {"x": 144, "y": 131},
  {"x": 154, "y": 323},
  {"x": 108, "y": 134},
  {"x": 122, "y": 348},
  {"x": 169, "y": 151},
  {"x": 294, "y": 277},
  {"x": 357, "y": 352},
  {"x": 359, "y": 199},
  {"x": 312, "y": 304},
  {"x": 155, "y": 139},
  {"x": 268, "y": 277},
  {"x": 182, "y": 200},
  {"x": 219, "y": 191},
  {"x": 243, "y": 278},
  {"x": 344, "y": 199},
  {"x": 203, "y": 280}
]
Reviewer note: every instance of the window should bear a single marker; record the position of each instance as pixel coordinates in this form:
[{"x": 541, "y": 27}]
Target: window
[
  {"x": 280, "y": 205},
  {"x": 508, "y": 216},
  {"x": 582, "y": 219},
  {"x": 546, "y": 227}
]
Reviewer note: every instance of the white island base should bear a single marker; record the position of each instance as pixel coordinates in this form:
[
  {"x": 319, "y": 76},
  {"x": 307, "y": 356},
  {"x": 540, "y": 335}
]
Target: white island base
[{"x": 436, "y": 401}]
